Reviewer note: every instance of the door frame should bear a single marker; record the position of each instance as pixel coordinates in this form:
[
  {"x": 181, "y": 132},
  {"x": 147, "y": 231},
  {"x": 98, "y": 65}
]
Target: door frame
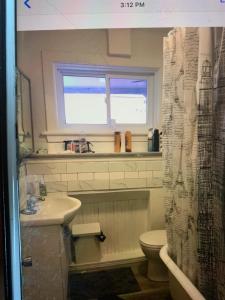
[{"x": 10, "y": 274}]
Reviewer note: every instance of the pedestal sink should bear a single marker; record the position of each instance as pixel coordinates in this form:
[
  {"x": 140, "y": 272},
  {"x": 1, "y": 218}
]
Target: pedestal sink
[
  {"x": 52, "y": 211},
  {"x": 44, "y": 238}
]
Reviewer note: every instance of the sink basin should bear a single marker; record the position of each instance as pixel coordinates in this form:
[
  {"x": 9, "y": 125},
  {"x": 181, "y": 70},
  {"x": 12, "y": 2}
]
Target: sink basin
[{"x": 52, "y": 211}]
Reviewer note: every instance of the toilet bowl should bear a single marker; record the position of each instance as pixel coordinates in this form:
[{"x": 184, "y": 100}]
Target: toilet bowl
[{"x": 151, "y": 242}]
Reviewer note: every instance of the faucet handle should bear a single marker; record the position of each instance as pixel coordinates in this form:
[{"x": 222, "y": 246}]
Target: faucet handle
[{"x": 31, "y": 201}]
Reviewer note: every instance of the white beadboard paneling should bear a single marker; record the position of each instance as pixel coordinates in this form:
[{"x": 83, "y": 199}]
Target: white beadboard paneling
[
  {"x": 157, "y": 209},
  {"x": 122, "y": 217},
  {"x": 149, "y": 178},
  {"x": 106, "y": 211}
]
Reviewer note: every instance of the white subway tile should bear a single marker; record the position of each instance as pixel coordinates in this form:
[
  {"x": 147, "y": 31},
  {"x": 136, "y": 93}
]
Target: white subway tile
[
  {"x": 56, "y": 186},
  {"x": 116, "y": 175},
  {"x": 117, "y": 184},
  {"x": 154, "y": 165},
  {"x": 69, "y": 177},
  {"x": 46, "y": 168},
  {"x": 135, "y": 183},
  {"x": 143, "y": 174},
  {"x": 84, "y": 167},
  {"x": 73, "y": 186},
  {"x": 154, "y": 182},
  {"x": 103, "y": 176},
  {"x": 34, "y": 178},
  {"x": 131, "y": 174},
  {"x": 58, "y": 194},
  {"x": 52, "y": 178},
  {"x": 87, "y": 185},
  {"x": 101, "y": 184},
  {"x": 142, "y": 165},
  {"x": 130, "y": 166},
  {"x": 116, "y": 166},
  {"x": 85, "y": 176}
]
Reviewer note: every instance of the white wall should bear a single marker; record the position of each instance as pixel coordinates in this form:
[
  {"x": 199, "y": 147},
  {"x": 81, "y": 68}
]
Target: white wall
[
  {"x": 86, "y": 46},
  {"x": 125, "y": 195}
]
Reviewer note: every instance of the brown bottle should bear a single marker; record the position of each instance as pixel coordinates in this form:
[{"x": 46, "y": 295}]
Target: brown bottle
[
  {"x": 117, "y": 141},
  {"x": 128, "y": 141}
]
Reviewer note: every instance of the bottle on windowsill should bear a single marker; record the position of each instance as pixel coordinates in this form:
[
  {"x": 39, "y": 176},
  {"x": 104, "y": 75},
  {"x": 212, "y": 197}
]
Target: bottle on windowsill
[
  {"x": 128, "y": 141},
  {"x": 155, "y": 141},
  {"x": 117, "y": 141},
  {"x": 150, "y": 134}
]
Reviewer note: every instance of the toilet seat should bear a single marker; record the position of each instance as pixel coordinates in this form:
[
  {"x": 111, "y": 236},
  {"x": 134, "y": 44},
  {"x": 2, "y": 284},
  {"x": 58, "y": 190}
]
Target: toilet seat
[{"x": 154, "y": 239}]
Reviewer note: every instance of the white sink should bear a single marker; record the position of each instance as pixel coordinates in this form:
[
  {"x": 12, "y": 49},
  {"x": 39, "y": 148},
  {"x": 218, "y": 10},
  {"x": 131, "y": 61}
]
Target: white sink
[{"x": 52, "y": 211}]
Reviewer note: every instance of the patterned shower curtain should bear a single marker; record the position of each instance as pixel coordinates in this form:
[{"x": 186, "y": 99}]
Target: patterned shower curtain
[{"x": 193, "y": 110}]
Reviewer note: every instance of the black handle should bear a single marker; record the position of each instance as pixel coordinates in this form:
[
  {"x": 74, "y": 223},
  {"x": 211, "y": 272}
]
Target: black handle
[{"x": 101, "y": 237}]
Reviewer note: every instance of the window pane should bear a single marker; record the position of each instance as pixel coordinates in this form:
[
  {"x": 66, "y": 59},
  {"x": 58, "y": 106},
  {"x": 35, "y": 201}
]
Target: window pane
[
  {"x": 85, "y": 100},
  {"x": 128, "y": 99}
]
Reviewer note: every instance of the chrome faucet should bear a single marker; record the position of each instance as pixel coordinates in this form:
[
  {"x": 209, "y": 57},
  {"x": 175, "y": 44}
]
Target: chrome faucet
[
  {"x": 31, "y": 205},
  {"x": 32, "y": 200}
]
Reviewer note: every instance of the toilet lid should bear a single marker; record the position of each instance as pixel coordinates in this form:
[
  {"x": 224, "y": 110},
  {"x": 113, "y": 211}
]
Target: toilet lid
[{"x": 156, "y": 238}]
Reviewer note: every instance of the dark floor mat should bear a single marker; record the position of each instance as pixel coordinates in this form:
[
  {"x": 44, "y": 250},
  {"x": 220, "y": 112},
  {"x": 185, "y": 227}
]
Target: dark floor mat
[
  {"x": 93, "y": 285},
  {"x": 110, "y": 297}
]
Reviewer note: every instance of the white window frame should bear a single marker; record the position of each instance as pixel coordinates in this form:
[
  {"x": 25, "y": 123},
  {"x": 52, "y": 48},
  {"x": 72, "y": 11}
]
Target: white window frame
[{"x": 148, "y": 74}]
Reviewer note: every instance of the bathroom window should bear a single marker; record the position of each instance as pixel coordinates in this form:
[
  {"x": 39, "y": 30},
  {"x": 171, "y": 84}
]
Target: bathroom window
[
  {"x": 85, "y": 100},
  {"x": 101, "y": 100}
]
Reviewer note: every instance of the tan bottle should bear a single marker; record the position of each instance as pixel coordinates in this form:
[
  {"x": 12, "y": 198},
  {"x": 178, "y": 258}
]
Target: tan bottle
[
  {"x": 117, "y": 141},
  {"x": 128, "y": 141}
]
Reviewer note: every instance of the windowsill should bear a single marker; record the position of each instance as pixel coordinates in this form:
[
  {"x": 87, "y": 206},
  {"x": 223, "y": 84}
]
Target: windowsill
[{"x": 96, "y": 155}]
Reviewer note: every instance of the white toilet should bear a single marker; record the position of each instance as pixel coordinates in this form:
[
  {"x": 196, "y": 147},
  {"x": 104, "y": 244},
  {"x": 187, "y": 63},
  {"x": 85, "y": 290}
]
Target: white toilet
[{"x": 151, "y": 242}]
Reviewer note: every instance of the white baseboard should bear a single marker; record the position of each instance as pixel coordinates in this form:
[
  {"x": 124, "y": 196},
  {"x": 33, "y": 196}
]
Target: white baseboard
[{"x": 112, "y": 260}]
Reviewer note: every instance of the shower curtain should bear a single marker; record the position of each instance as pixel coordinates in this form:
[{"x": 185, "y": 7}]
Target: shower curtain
[{"x": 193, "y": 110}]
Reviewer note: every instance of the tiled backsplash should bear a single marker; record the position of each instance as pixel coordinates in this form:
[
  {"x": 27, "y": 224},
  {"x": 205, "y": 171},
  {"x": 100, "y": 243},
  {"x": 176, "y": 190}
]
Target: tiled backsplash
[{"x": 78, "y": 174}]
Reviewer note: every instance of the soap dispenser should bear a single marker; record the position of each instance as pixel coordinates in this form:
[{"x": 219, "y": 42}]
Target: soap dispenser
[
  {"x": 42, "y": 188},
  {"x": 155, "y": 140}
]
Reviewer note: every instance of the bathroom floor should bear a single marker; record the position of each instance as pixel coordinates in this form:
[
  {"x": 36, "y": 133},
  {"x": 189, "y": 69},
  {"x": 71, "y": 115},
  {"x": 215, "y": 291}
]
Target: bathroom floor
[{"x": 147, "y": 290}]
